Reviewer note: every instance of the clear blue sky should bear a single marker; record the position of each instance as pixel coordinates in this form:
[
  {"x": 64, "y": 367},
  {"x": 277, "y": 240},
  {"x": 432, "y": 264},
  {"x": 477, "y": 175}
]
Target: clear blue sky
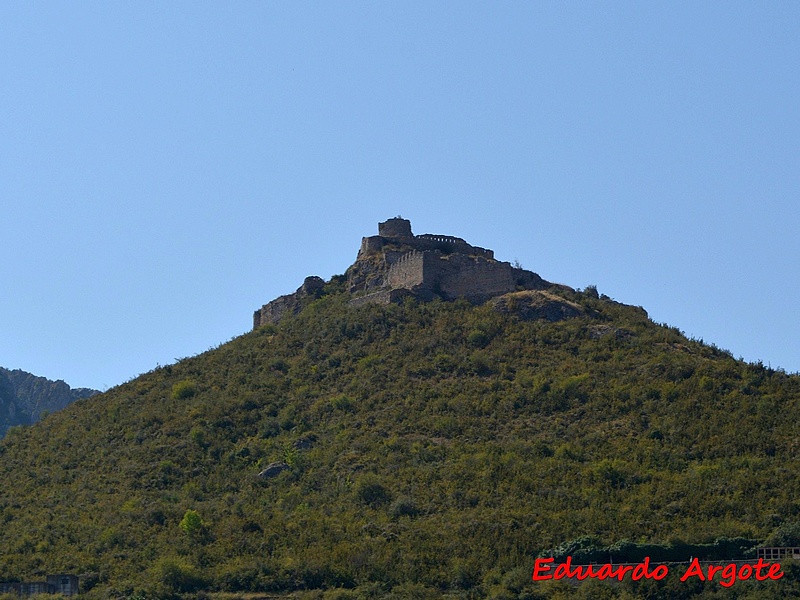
[{"x": 167, "y": 168}]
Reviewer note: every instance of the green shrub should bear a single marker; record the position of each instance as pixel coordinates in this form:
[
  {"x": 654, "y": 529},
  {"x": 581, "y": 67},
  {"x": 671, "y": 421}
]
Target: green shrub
[
  {"x": 404, "y": 507},
  {"x": 371, "y": 492},
  {"x": 191, "y": 523},
  {"x": 175, "y": 575},
  {"x": 183, "y": 389}
]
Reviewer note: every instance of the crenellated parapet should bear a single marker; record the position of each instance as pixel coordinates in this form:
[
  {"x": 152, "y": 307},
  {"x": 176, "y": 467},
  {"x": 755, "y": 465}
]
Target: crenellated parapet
[
  {"x": 448, "y": 244},
  {"x": 443, "y": 239},
  {"x": 396, "y": 233}
]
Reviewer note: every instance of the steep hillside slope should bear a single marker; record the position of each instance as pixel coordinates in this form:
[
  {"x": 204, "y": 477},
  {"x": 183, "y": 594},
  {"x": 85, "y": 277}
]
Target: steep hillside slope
[
  {"x": 415, "y": 449},
  {"x": 24, "y": 397}
]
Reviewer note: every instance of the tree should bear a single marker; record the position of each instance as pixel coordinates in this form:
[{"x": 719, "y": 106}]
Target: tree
[{"x": 191, "y": 523}]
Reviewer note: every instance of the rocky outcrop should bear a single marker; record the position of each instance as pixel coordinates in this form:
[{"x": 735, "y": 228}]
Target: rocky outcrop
[
  {"x": 289, "y": 304},
  {"x": 274, "y": 469},
  {"x": 535, "y": 305}
]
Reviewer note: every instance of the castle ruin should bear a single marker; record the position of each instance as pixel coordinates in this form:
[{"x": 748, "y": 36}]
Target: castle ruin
[{"x": 396, "y": 264}]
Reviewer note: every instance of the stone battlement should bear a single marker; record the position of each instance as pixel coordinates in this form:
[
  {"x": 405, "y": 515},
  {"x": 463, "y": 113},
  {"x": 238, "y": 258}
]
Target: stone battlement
[
  {"x": 397, "y": 233},
  {"x": 444, "y": 239}
]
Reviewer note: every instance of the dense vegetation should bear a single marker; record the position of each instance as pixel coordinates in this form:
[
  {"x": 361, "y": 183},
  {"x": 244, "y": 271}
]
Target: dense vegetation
[{"x": 428, "y": 450}]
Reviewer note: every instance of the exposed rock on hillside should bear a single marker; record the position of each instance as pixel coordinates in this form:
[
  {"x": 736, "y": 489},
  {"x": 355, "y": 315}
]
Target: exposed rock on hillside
[
  {"x": 289, "y": 304},
  {"x": 274, "y": 469},
  {"x": 25, "y": 397},
  {"x": 534, "y": 305}
]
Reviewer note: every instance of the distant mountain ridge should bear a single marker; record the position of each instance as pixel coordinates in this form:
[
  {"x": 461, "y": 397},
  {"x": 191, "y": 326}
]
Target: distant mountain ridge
[{"x": 25, "y": 397}]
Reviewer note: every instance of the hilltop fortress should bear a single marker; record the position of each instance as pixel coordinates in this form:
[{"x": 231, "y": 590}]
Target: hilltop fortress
[{"x": 396, "y": 264}]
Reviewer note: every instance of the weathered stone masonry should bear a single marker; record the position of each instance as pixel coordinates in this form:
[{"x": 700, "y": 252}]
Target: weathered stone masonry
[
  {"x": 407, "y": 271},
  {"x": 396, "y": 264}
]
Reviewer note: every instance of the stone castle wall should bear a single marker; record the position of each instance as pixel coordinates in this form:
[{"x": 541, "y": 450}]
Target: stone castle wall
[
  {"x": 457, "y": 276},
  {"x": 426, "y": 242},
  {"x": 408, "y": 271},
  {"x": 382, "y": 297},
  {"x": 448, "y": 244},
  {"x": 460, "y": 276}
]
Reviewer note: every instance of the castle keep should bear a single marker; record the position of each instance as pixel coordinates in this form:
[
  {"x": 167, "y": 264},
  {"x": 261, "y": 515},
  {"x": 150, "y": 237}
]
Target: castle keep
[{"x": 396, "y": 264}]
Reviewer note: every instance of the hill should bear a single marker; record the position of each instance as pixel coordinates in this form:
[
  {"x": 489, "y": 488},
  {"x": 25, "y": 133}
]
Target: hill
[
  {"x": 25, "y": 398},
  {"x": 414, "y": 448}
]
